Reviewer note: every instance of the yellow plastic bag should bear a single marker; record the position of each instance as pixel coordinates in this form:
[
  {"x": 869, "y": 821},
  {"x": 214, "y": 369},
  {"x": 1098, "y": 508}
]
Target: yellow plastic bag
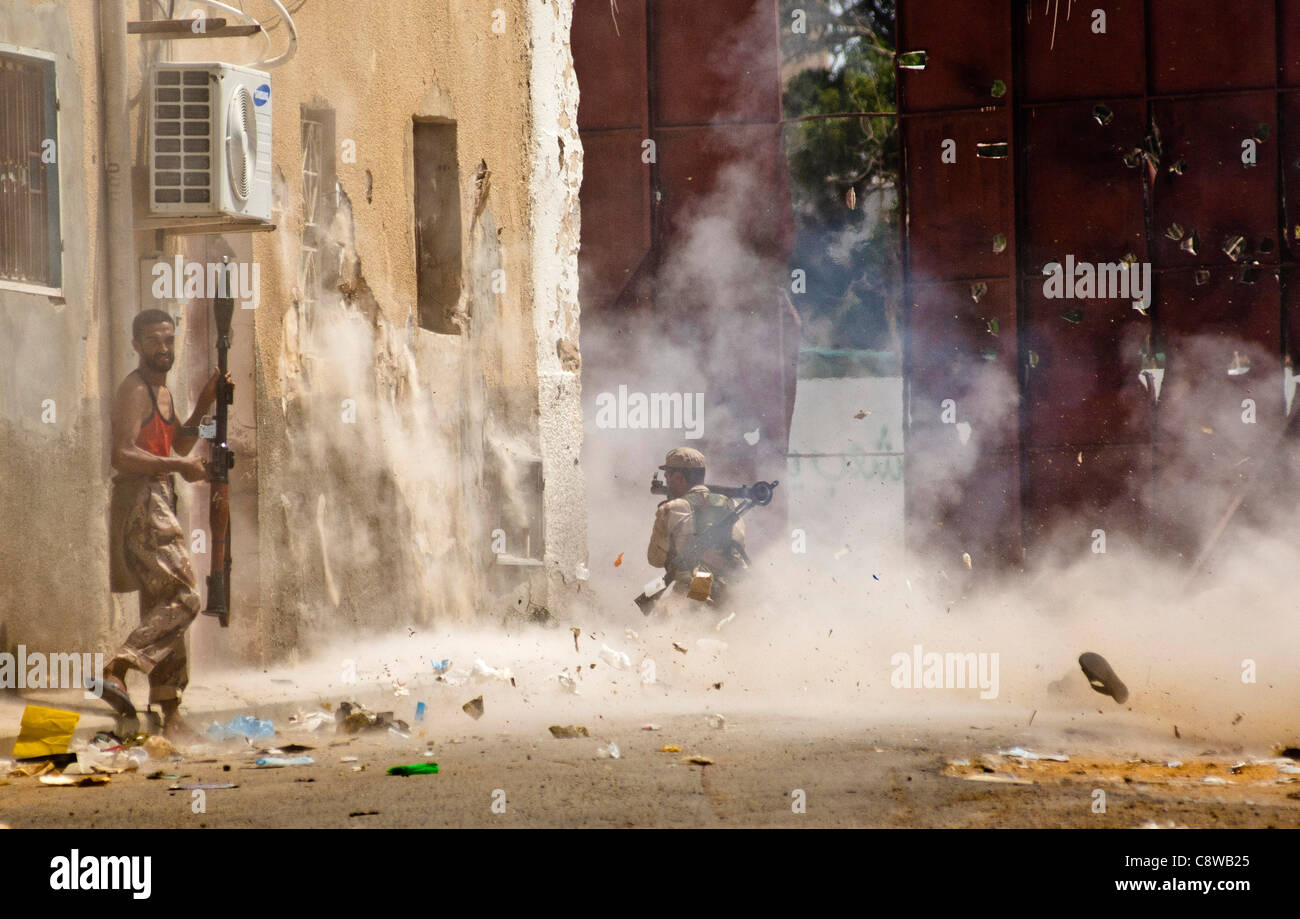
[{"x": 45, "y": 731}]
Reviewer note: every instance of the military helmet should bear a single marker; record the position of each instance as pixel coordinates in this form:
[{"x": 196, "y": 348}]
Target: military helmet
[{"x": 683, "y": 458}]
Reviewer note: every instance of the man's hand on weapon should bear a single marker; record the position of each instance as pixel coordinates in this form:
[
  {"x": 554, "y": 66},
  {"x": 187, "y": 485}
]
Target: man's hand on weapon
[
  {"x": 209, "y": 392},
  {"x": 192, "y": 468}
]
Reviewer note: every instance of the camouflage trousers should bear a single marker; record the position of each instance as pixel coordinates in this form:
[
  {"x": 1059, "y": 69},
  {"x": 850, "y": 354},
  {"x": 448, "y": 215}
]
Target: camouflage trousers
[{"x": 154, "y": 553}]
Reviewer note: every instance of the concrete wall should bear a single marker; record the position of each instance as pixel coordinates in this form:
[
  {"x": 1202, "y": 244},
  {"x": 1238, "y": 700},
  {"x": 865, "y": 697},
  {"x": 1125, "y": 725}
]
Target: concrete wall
[{"x": 53, "y": 526}]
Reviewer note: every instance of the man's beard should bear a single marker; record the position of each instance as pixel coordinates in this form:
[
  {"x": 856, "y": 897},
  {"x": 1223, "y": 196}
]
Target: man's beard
[{"x": 159, "y": 364}]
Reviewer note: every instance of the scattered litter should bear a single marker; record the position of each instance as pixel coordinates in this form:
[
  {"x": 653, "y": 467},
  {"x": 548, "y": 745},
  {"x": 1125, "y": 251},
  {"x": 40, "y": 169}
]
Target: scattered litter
[
  {"x": 352, "y": 718},
  {"x": 1167, "y": 825},
  {"x": 202, "y": 786},
  {"x": 1290, "y": 752},
  {"x": 240, "y": 726},
  {"x": 647, "y": 671},
  {"x": 1102, "y": 678},
  {"x": 616, "y": 659},
  {"x": 159, "y": 747},
  {"x": 1173, "y": 764},
  {"x": 399, "y": 689},
  {"x": 74, "y": 779},
  {"x": 474, "y": 708},
  {"x": 717, "y": 722},
  {"x": 576, "y": 632},
  {"x": 310, "y": 721},
  {"x": 441, "y": 666},
  {"x": 30, "y": 769},
  {"x": 997, "y": 778},
  {"x": 419, "y": 711},
  {"x": 362, "y": 813},
  {"x": 609, "y": 752},
  {"x": 481, "y": 671},
  {"x": 669, "y": 748},
  {"x": 349, "y": 759},
  {"x": 712, "y": 645},
  {"x": 567, "y": 731},
  {"x": 958, "y": 762},
  {"x": 965, "y": 560},
  {"x": 568, "y": 682},
  {"x": 1215, "y": 780},
  {"x": 696, "y": 761},
  {"x": 414, "y": 769},
  {"x": 677, "y": 647},
  {"x": 44, "y": 732},
  {"x": 275, "y": 762},
  {"x": 649, "y": 727},
  {"x": 724, "y": 621},
  {"x": 631, "y": 635},
  {"x": 1022, "y": 753}
]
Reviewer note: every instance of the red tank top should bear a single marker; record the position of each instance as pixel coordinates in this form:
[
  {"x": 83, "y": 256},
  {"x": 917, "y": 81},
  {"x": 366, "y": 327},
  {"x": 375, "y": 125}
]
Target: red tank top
[{"x": 156, "y": 435}]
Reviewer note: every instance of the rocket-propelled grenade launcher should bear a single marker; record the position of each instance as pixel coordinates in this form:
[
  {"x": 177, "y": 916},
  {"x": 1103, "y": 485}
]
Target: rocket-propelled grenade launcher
[{"x": 219, "y": 465}]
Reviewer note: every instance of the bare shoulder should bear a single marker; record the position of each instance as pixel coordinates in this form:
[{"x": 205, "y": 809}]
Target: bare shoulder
[{"x": 132, "y": 397}]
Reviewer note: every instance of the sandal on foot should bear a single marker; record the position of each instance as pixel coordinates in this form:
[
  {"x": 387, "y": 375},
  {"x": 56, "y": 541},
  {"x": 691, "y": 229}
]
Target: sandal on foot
[
  {"x": 1101, "y": 678},
  {"x": 113, "y": 691}
]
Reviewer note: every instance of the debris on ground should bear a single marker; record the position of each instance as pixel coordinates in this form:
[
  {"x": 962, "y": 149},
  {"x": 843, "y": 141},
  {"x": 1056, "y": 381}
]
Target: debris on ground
[
  {"x": 73, "y": 780},
  {"x": 716, "y": 721},
  {"x": 159, "y": 747},
  {"x": 474, "y": 708},
  {"x": 669, "y": 748},
  {"x": 27, "y": 770},
  {"x": 576, "y": 632},
  {"x": 677, "y": 647},
  {"x": 650, "y": 727},
  {"x": 419, "y": 711},
  {"x": 353, "y": 718},
  {"x": 1022, "y": 753},
  {"x": 441, "y": 666},
  {"x": 997, "y": 778},
  {"x": 647, "y": 671},
  {"x": 566, "y": 731},
  {"x": 609, "y": 752},
  {"x": 240, "y": 726},
  {"x": 724, "y": 621},
  {"x": 202, "y": 786},
  {"x": 1101, "y": 677},
  {"x": 631, "y": 635},
  {"x": 310, "y": 721},
  {"x": 276, "y": 762},
  {"x": 44, "y": 732},
  {"x": 696, "y": 761},
  {"x": 414, "y": 769}
]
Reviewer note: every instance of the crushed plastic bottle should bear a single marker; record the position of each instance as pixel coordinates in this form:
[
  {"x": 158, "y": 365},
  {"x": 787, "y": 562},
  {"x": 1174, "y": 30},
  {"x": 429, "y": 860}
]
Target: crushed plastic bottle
[
  {"x": 274, "y": 761},
  {"x": 610, "y": 752},
  {"x": 240, "y": 726}
]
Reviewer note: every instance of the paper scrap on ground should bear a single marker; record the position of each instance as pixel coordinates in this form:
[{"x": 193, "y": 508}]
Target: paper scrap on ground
[{"x": 44, "y": 732}]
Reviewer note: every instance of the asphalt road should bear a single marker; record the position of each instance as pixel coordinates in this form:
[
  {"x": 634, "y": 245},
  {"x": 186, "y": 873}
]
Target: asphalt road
[{"x": 843, "y": 773}]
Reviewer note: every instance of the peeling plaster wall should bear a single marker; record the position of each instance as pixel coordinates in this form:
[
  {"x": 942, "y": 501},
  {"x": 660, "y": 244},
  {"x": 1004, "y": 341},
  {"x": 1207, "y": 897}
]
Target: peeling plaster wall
[
  {"x": 53, "y": 494},
  {"x": 387, "y": 521},
  {"x": 557, "y": 177}
]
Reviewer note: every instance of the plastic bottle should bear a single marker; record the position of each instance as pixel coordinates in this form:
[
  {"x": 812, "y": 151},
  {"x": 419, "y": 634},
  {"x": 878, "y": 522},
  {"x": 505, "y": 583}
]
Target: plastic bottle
[
  {"x": 414, "y": 769},
  {"x": 285, "y": 761},
  {"x": 241, "y": 726}
]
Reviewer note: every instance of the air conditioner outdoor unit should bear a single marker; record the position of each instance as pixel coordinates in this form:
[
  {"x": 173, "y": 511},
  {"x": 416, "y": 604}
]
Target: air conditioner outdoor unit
[{"x": 210, "y": 141}]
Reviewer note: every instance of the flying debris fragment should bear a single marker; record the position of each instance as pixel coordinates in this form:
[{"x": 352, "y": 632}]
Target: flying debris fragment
[{"x": 1101, "y": 677}]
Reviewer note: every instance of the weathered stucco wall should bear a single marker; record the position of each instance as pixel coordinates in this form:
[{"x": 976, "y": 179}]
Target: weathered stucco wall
[
  {"x": 377, "y": 460},
  {"x": 53, "y": 500}
]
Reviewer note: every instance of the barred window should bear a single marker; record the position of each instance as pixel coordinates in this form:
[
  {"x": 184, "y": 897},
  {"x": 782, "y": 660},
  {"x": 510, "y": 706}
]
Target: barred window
[{"x": 30, "y": 242}]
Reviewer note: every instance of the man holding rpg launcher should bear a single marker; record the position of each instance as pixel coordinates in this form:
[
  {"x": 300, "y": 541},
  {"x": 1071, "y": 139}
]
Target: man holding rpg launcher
[{"x": 148, "y": 545}]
